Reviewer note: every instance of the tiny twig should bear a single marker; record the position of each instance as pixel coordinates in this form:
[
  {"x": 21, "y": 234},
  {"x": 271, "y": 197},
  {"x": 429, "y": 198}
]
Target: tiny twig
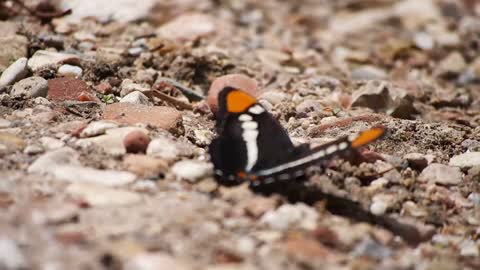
[
  {"x": 189, "y": 93},
  {"x": 178, "y": 103}
]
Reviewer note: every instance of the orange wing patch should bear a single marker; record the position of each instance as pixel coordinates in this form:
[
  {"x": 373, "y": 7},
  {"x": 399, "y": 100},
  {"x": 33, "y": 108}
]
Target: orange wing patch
[
  {"x": 368, "y": 136},
  {"x": 238, "y": 101}
]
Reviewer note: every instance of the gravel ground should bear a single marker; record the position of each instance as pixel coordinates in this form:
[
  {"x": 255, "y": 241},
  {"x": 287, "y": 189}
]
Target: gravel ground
[{"x": 105, "y": 121}]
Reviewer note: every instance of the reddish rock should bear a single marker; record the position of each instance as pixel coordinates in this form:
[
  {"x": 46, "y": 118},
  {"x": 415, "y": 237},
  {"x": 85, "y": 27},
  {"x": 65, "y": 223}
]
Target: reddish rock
[
  {"x": 61, "y": 89},
  {"x": 136, "y": 142},
  {"x": 159, "y": 116},
  {"x": 103, "y": 88},
  {"x": 239, "y": 81}
]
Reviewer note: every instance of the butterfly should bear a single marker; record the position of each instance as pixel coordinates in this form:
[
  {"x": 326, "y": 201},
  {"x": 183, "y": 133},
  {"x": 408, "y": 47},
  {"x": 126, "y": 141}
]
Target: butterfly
[{"x": 252, "y": 145}]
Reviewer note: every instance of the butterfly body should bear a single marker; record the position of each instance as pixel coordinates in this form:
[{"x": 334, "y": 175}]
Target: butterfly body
[{"x": 252, "y": 146}]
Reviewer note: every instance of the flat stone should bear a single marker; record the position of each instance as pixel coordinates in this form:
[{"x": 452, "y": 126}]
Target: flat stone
[
  {"x": 31, "y": 87},
  {"x": 112, "y": 141},
  {"x": 100, "y": 196},
  {"x": 128, "y": 86},
  {"x": 451, "y": 65},
  {"x": 97, "y": 128},
  {"x": 145, "y": 166},
  {"x": 466, "y": 160},
  {"x": 159, "y": 116},
  {"x": 43, "y": 59},
  {"x": 187, "y": 27},
  {"x": 61, "y": 89},
  {"x": 79, "y": 174},
  {"x": 50, "y": 143},
  {"x": 441, "y": 174},
  {"x": 4, "y": 123},
  {"x": 13, "y": 48},
  {"x": 137, "y": 97},
  {"x": 191, "y": 170},
  {"x": 168, "y": 149},
  {"x": 33, "y": 149},
  {"x": 15, "y": 72}
]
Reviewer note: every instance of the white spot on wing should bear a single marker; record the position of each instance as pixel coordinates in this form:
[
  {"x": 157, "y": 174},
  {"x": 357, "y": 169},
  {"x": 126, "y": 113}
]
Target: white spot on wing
[
  {"x": 249, "y": 125},
  {"x": 250, "y": 134},
  {"x": 331, "y": 149},
  {"x": 257, "y": 109},
  {"x": 245, "y": 117},
  {"x": 343, "y": 145}
]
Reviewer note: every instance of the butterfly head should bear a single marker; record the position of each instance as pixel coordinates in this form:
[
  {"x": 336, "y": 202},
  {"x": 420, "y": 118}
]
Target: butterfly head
[{"x": 233, "y": 100}]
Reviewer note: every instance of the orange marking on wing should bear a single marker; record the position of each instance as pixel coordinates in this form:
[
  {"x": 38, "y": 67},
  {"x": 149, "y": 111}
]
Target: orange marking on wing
[
  {"x": 241, "y": 175},
  {"x": 368, "y": 136},
  {"x": 238, "y": 101}
]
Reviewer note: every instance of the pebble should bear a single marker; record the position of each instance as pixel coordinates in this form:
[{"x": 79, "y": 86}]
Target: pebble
[
  {"x": 50, "y": 143},
  {"x": 441, "y": 174},
  {"x": 423, "y": 41},
  {"x": 411, "y": 209},
  {"x": 33, "y": 149},
  {"x": 13, "y": 47},
  {"x": 164, "y": 148},
  {"x": 368, "y": 73},
  {"x": 80, "y": 174},
  {"x": 136, "y": 142},
  {"x": 137, "y": 97},
  {"x": 70, "y": 71},
  {"x": 257, "y": 206},
  {"x": 101, "y": 196},
  {"x": 469, "y": 248},
  {"x": 187, "y": 27},
  {"x": 145, "y": 166},
  {"x": 152, "y": 261},
  {"x": 46, "y": 162},
  {"x": 453, "y": 64},
  {"x": 104, "y": 88},
  {"x": 43, "y": 59},
  {"x": 112, "y": 141},
  {"x": 239, "y": 81},
  {"x": 466, "y": 160},
  {"x": 162, "y": 117},
  {"x": 15, "y": 72},
  {"x": 378, "y": 207},
  {"x": 31, "y": 87},
  {"x": 272, "y": 59},
  {"x": 290, "y": 215},
  {"x": 11, "y": 143},
  {"x": 124, "y": 11},
  {"x": 370, "y": 248},
  {"x": 4, "y": 123},
  {"x": 128, "y": 86},
  {"x": 191, "y": 170},
  {"x": 416, "y": 161},
  {"x": 274, "y": 97},
  {"x": 474, "y": 198},
  {"x": 97, "y": 128},
  {"x": 11, "y": 256}
]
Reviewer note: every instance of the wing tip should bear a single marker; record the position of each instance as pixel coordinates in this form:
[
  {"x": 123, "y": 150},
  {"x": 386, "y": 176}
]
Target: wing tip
[{"x": 368, "y": 136}]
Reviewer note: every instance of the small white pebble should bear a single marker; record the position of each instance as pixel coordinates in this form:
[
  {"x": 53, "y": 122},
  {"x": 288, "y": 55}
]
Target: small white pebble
[{"x": 70, "y": 71}]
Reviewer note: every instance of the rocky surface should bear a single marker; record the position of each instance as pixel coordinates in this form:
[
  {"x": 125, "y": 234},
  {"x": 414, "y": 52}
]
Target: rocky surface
[{"x": 106, "y": 115}]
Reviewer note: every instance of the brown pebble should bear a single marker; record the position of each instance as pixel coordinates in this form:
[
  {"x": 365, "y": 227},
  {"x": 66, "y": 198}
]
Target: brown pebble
[
  {"x": 239, "y": 81},
  {"x": 136, "y": 142},
  {"x": 103, "y": 88}
]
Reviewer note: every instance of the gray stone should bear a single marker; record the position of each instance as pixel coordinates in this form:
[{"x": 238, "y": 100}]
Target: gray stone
[
  {"x": 453, "y": 64},
  {"x": 441, "y": 174},
  {"x": 31, "y": 87},
  {"x": 15, "y": 72},
  {"x": 43, "y": 59},
  {"x": 33, "y": 149},
  {"x": 191, "y": 170},
  {"x": 50, "y": 143},
  {"x": 128, "y": 86},
  {"x": 423, "y": 41},
  {"x": 370, "y": 248},
  {"x": 136, "y": 97},
  {"x": 13, "y": 48},
  {"x": 274, "y": 97},
  {"x": 466, "y": 160}
]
